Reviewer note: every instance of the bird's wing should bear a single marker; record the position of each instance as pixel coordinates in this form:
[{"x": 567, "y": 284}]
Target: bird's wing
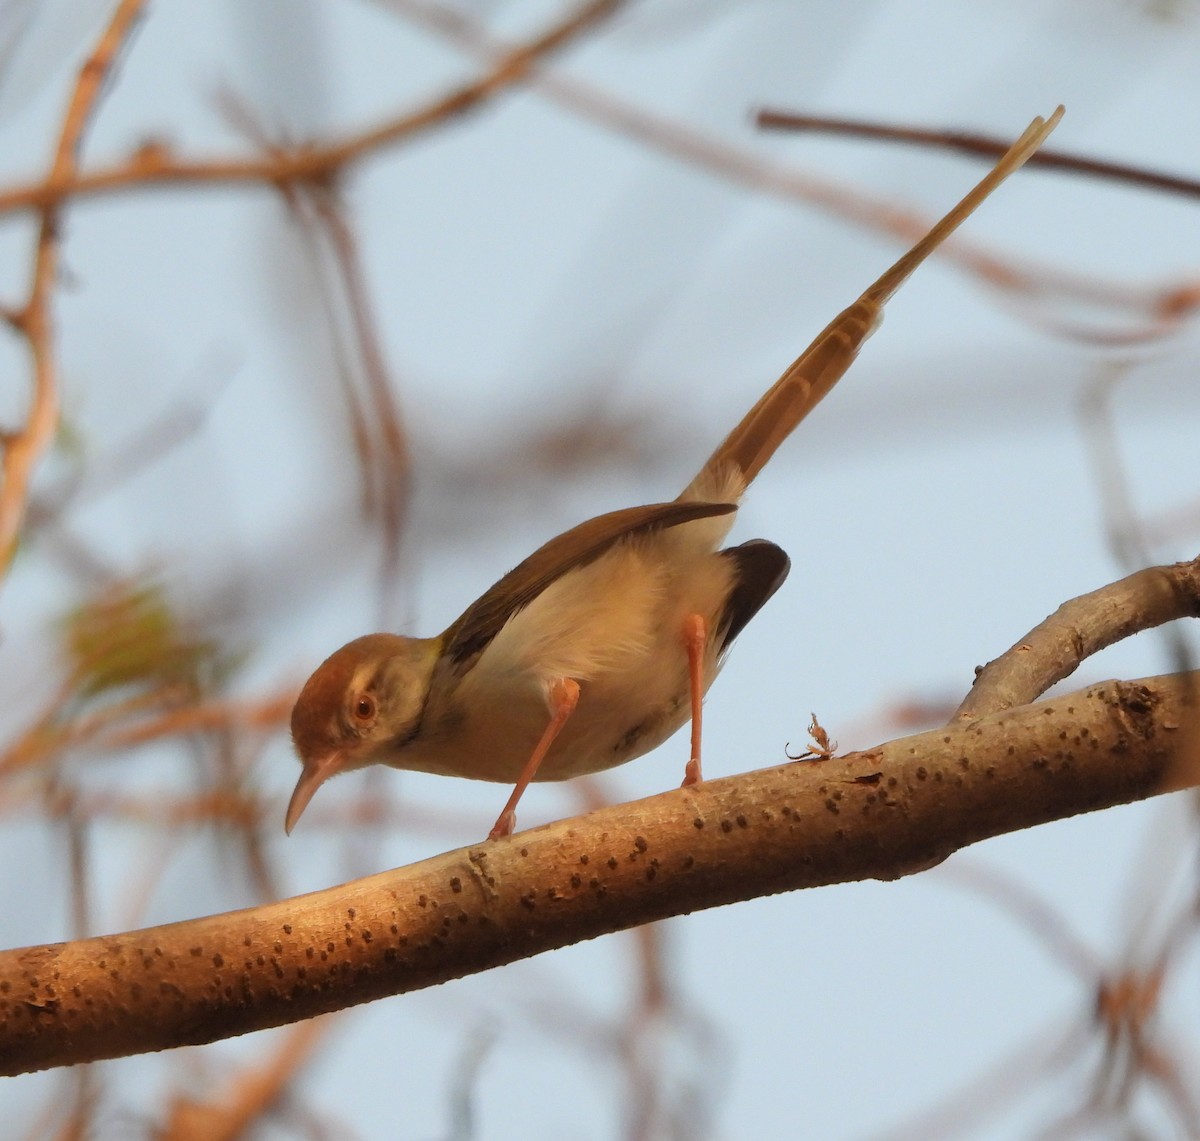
[{"x": 577, "y": 547}]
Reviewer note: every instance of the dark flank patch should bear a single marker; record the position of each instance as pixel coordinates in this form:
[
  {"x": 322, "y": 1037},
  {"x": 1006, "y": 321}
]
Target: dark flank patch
[
  {"x": 631, "y": 737},
  {"x": 649, "y": 725}
]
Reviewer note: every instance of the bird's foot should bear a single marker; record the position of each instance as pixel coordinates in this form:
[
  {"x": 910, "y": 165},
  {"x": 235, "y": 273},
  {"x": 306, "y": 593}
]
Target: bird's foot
[
  {"x": 692, "y": 774},
  {"x": 504, "y": 826}
]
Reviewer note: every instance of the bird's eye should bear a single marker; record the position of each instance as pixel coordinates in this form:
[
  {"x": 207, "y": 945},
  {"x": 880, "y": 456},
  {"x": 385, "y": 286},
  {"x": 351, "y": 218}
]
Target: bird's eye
[{"x": 364, "y": 707}]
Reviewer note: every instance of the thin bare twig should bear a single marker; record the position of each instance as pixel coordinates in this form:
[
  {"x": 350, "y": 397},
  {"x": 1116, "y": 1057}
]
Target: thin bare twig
[
  {"x": 283, "y": 167},
  {"x": 316, "y": 163},
  {"x": 1168, "y": 309},
  {"x": 167, "y": 713},
  {"x": 1029, "y": 284},
  {"x": 252, "y": 1095},
  {"x": 377, "y": 422},
  {"x": 1123, "y": 524},
  {"x": 157, "y": 165},
  {"x": 981, "y": 146},
  {"x": 23, "y": 448}
]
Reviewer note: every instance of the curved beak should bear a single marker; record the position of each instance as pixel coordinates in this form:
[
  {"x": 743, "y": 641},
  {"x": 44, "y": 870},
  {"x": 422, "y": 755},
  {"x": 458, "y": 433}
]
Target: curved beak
[{"x": 316, "y": 773}]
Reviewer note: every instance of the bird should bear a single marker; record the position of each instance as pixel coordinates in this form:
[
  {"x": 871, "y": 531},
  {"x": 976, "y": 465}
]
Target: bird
[{"x": 604, "y": 641}]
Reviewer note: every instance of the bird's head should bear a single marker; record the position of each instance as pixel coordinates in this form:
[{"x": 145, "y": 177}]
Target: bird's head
[{"x": 361, "y": 704}]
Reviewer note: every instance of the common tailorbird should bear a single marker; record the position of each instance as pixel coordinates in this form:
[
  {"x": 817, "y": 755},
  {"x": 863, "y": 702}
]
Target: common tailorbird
[{"x": 603, "y": 642}]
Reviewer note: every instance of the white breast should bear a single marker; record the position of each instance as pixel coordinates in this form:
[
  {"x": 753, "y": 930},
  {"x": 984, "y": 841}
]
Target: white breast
[{"x": 615, "y": 626}]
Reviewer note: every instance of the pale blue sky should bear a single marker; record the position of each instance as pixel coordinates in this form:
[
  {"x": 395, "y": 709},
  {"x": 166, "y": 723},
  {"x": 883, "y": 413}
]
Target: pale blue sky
[{"x": 526, "y": 264}]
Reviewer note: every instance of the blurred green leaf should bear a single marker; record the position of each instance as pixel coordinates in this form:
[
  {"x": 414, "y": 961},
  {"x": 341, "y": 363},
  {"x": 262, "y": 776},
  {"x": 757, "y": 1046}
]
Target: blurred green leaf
[{"x": 129, "y": 635}]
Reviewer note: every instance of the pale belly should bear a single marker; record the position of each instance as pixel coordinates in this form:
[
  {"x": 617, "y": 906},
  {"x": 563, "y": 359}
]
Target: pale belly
[
  {"x": 628, "y": 657},
  {"x": 617, "y": 719}
]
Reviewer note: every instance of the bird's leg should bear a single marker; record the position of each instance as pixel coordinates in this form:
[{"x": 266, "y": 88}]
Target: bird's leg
[
  {"x": 562, "y": 695},
  {"x": 695, "y": 635}
]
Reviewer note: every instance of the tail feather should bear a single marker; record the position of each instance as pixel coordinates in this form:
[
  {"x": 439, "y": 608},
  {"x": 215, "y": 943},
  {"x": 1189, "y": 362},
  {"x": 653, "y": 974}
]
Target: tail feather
[{"x": 746, "y": 450}]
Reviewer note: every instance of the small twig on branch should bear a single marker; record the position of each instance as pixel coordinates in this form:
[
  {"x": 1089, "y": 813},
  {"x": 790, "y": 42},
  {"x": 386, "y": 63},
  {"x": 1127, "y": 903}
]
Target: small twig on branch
[
  {"x": 1053, "y": 649},
  {"x": 23, "y": 448},
  {"x": 978, "y": 146},
  {"x": 797, "y": 825}
]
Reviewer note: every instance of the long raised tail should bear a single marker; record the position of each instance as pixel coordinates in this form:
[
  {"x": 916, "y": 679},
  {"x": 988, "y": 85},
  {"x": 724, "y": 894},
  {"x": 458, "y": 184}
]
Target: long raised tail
[{"x": 746, "y": 450}]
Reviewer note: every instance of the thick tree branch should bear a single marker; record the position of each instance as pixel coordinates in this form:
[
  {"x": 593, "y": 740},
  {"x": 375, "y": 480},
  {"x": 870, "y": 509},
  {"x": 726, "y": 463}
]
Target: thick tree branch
[{"x": 881, "y": 813}]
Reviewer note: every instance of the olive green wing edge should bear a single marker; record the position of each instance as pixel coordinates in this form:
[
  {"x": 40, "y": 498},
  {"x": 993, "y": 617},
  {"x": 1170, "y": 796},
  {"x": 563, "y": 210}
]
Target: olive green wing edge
[{"x": 578, "y": 547}]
